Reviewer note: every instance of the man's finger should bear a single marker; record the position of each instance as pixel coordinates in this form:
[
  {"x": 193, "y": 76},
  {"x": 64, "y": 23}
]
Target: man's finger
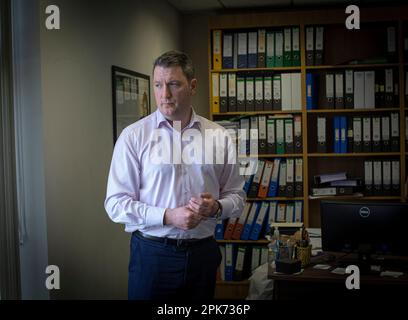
[{"x": 206, "y": 195}]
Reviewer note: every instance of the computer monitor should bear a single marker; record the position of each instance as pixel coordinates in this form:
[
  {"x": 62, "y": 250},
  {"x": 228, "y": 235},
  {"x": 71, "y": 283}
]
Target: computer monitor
[{"x": 365, "y": 228}]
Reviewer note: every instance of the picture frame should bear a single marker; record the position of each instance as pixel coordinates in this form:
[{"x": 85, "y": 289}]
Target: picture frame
[{"x": 130, "y": 98}]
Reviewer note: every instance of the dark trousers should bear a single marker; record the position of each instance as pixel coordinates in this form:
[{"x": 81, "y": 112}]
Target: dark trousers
[{"x": 161, "y": 271}]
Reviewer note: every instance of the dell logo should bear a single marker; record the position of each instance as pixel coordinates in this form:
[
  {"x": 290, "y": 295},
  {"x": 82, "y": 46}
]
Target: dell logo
[{"x": 364, "y": 212}]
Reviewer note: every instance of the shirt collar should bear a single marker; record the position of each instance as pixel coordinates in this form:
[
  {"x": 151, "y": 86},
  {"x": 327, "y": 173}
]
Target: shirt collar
[{"x": 161, "y": 119}]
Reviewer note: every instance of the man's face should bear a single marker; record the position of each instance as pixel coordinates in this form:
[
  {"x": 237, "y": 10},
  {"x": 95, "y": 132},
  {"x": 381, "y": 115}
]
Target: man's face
[{"x": 173, "y": 91}]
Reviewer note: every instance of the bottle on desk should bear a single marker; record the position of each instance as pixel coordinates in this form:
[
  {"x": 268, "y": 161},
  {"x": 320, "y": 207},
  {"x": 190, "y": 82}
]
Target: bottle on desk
[{"x": 273, "y": 248}]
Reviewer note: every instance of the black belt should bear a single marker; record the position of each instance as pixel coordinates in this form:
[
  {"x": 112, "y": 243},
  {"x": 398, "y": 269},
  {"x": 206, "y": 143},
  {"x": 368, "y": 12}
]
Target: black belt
[{"x": 174, "y": 242}]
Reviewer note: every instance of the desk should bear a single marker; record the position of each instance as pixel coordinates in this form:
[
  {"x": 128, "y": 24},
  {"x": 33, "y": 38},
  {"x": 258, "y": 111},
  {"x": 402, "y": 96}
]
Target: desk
[{"x": 323, "y": 284}]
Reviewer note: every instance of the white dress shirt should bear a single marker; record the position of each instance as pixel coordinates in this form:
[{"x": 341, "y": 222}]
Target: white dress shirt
[{"x": 140, "y": 189}]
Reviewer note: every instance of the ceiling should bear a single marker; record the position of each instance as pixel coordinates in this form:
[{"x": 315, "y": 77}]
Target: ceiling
[{"x": 188, "y": 6}]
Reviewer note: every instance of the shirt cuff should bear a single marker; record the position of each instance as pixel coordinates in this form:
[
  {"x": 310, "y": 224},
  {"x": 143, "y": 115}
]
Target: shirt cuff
[
  {"x": 227, "y": 207},
  {"x": 154, "y": 217}
]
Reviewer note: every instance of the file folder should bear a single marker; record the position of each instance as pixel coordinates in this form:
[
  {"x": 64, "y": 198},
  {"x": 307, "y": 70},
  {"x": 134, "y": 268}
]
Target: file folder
[
  {"x": 282, "y": 180},
  {"x": 227, "y": 52},
  {"x": 395, "y": 177},
  {"x": 311, "y": 94},
  {"x": 289, "y": 136},
  {"x": 386, "y": 177},
  {"x": 277, "y": 100},
  {"x": 259, "y": 94},
  {"x": 265, "y": 180},
  {"x": 349, "y": 90},
  {"x": 357, "y": 135},
  {"x": 298, "y": 177},
  {"x": 217, "y": 59},
  {"x": 267, "y": 93},
  {"x": 270, "y": 127},
  {"x": 239, "y": 272},
  {"x": 259, "y": 222},
  {"x": 261, "y": 48},
  {"x": 215, "y": 103},
  {"x": 287, "y": 48},
  {"x": 376, "y": 134},
  {"x": 290, "y": 180},
  {"x": 343, "y": 134},
  {"x": 368, "y": 177},
  {"x": 262, "y": 147},
  {"x": 239, "y": 226},
  {"x": 252, "y": 49},
  {"x": 395, "y": 132},
  {"x": 369, "y": 89},
  {"x": 336, "y": 127},
  {"x": 377, "y": 177},
  {"x": 273, "y": 185},
  {"x": 232, "y": 92},
  {"x": 229, "y": 229},
  {"x": 223, "y": 93},
  {"x": 296, "y": 91},
  {"x": 229, "y": 262},
  {"x": 385, "y": 134},
  {"x": 271, "y": 216},
  {"x": 359, "y": 90},
  {"x": 270, "y": 49},
  {"x": 321, "y": 134},
  {"x": 339, "y": 91},
  {"x": 253, "y": 190},
  {"x": 329, "y": 101},
  {"x": 295, "y": 47},
  {"x": 389, "y": 88},
  {"x": 297, "y": 134},
  {"x": 367, "y": 134},
  {"x": 309, "y": 46},
  {"x": 286, "y": 89},
  {"x": 318, "y": 59},
  {"x": 279, "y": 49},
  {"x": 240, "y": 92},
  {"x": 242, "y": 50},
  {"x": 249, "y": 94},
  {"x": 298, "y": 211},
  {"x": 280, "y": 136},
  {"x": 253, "y": 215}
]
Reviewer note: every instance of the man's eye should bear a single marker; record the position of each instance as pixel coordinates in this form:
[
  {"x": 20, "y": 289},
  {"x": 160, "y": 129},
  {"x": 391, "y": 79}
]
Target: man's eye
[{"x": 157, "y": 85}]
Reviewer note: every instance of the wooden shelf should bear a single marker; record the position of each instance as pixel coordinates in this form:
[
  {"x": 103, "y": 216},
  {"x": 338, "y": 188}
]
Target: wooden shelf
[
  {"x": 263, "y": 241},
  {"x": 354, "y": 66},
  {"x": 275, "y": 198},
  {"x": 368, "y": 198},
  {"x": 254, "y": 113},
  {"x": 350, "y": 155},
  {"x": 258, "y": 69},
  {"x": 353, "y": 110},
  {"x": 272, "y": 155}
]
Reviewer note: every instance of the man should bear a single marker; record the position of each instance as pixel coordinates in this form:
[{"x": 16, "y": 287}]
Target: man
[{"x": 171, "y": 207}]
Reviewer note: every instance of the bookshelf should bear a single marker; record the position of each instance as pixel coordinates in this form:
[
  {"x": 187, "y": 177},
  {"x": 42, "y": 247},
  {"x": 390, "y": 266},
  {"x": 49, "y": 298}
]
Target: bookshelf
[{"x": 357, "y": 51}]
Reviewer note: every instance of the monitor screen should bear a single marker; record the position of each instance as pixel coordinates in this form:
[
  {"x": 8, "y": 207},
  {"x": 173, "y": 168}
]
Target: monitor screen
[{"x": 381, "y": 227}]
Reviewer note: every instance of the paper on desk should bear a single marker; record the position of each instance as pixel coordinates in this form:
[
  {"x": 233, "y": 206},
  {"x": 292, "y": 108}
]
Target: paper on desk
[
  {"x": 339, "y": 271},
  {"x": 321, "y": 266}
]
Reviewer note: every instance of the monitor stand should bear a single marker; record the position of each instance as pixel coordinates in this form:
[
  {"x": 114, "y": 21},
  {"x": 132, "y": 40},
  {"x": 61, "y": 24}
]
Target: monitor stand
[{"x": 363, "y": 260}]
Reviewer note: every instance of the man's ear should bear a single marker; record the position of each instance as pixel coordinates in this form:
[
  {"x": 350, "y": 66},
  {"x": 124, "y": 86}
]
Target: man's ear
[{"x": 193, "y": 86}]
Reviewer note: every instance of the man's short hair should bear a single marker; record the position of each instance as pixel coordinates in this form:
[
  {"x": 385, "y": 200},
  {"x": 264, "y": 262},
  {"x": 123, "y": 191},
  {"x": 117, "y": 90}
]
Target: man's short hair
[{"x": 176, "y": 59}]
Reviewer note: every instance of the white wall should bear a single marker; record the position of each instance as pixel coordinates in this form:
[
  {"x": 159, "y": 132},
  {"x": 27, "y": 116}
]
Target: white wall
[{"x": 91, "y": 251}]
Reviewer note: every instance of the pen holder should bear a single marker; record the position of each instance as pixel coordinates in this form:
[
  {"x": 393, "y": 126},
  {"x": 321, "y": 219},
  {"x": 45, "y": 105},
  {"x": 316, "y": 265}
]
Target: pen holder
[{"x": 304, "y": 254}]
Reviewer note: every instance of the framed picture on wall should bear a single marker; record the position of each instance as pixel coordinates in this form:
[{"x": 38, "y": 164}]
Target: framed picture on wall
[{"x": 130, "y": 97}]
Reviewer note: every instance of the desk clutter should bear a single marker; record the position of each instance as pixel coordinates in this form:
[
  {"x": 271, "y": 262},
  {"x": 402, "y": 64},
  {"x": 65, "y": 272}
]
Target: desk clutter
[{"x": 288, "y": 253}]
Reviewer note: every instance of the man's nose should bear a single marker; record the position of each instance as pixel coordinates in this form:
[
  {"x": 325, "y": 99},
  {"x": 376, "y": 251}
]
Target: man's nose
[{"x": 166, "y": 91}]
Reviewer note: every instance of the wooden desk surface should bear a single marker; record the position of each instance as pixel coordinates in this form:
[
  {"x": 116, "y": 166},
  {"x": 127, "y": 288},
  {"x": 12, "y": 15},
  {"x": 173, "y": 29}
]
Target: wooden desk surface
[{"x": 311, "y": 274}]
